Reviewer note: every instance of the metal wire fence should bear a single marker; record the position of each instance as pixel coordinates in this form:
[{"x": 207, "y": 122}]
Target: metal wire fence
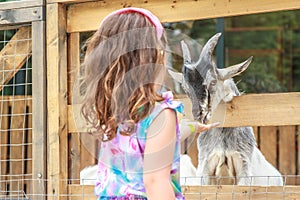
[
  {"x": 15, "y": 112},
  {"x": 195, "y": 192}
]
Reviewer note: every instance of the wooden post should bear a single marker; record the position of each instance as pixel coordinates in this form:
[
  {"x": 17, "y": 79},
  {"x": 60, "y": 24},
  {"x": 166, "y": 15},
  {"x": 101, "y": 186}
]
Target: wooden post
[
  {"x": 39, "y": 108},
  {"x": 268, "y": 143},
  {"x": 287, "y": 149},
  {"x": 57, "y": 101},
  {"x": 73, "y": 62},
  {"x": 4, "y": 109},
  {"x": 17, "y": 151}
]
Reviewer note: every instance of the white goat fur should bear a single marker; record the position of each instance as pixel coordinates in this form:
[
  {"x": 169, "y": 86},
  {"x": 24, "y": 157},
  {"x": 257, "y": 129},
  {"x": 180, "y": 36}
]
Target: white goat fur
[{"x": 187, "y": 173}]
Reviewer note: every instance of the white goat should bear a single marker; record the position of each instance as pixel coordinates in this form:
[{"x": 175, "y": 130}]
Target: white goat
[
  {"x": 223, "y": 152},
  {"x": 187, "y": 173}
]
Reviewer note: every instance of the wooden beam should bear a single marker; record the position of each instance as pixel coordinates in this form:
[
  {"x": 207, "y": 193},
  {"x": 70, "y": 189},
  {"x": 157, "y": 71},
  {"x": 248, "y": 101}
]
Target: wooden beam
[
  {"x": 39, "y": 107},
  {"x": 276, "y": 109},
  {"x": 15, "y": 53},
  {"x": 73, "y": 62},
  {"x": 69, "y": 1},
  {"x": 77, "y": 192},
  {"x": 87, "y": 16},
  {"x": 20, "y": 4},
  {"x": 57, "y": 101},
  {"x": 22, "y": 15}
]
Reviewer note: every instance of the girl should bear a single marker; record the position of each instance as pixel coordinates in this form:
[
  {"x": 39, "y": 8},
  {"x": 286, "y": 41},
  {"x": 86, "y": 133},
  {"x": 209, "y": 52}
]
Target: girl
[{"x": 138, "y": 126}]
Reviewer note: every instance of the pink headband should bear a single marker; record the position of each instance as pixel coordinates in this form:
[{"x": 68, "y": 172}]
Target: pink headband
[{"x": 153, "y": 19}]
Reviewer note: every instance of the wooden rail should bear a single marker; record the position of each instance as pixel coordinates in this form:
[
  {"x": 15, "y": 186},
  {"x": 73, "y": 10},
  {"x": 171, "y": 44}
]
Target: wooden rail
[
  {"x": 77, "y": 192},
  {"x": 277, "y": 109},
  {"x": 171, "y": 11}
]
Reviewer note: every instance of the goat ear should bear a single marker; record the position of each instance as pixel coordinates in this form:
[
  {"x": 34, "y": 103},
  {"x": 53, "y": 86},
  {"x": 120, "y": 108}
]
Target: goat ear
[
  {"x": 234, "y": 70},
  {"x": 176, "y": 76},
  {"x": 185, "y": 52}
]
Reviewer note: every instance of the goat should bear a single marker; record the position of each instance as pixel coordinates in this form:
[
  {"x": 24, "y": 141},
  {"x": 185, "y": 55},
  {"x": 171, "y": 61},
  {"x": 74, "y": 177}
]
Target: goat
[
  {"x": 223, "y": 152},
  {"x": 187, "y": 173}
]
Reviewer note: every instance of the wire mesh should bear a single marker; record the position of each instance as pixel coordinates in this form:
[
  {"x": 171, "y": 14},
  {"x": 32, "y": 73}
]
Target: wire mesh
[
  {"x": 15, "y": 112},
  {"x": 191, "y": 192}
]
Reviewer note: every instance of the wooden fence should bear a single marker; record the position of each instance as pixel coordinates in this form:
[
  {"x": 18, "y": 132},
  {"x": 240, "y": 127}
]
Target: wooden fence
[
  {"x": 16, "y": 145},
  {"x": 68, "y": 19},
  {"x": 53, "y": 174},
  {"x": 22, "y": 70}
]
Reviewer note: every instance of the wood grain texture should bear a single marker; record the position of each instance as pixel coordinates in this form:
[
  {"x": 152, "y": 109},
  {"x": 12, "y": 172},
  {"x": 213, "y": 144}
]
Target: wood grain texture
[
  {"x": 22, "y": 15},
  {"x": 87, "y": 16},
  {"x": 4, "y": 141},
  {"x": 17, "y": 144},
  {"x": 247, "y": 110},
  {"x": 20, "y": 4},
  {"x": 78, "y": 192},
  {"x": 287, "y": 152},
  {"x": 268, "y": 143},
  {"x": 39, "y": 108},
  {"x": 276, "y": 109},
  {"x": 73, "y": 62},
  {"x": 57, "y": 101}
]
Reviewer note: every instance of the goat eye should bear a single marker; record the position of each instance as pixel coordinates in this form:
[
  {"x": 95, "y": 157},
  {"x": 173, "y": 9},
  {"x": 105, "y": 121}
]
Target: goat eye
[{"x": 213, "y": 83}]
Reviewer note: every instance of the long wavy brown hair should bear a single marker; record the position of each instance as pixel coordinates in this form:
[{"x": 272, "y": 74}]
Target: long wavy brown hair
[{"x": 123, "y": 60}]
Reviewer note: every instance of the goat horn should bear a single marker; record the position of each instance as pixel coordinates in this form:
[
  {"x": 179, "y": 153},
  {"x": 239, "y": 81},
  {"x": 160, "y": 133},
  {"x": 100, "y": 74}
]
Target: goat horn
[
  {"x": 207, "y": 50},
  {"x": 234, "y": 70},
  {"x": 210, "y": 46}
]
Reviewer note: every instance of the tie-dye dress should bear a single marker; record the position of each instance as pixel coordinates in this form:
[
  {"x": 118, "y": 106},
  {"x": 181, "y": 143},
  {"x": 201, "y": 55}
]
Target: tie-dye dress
[{"x": 120, "y": 166}]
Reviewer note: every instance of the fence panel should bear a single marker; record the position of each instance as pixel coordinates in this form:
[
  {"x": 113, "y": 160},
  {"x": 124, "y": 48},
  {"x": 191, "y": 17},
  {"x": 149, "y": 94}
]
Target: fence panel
[
  {"x": 268, "y": 143},
  {"x": 22, "y": 141}
]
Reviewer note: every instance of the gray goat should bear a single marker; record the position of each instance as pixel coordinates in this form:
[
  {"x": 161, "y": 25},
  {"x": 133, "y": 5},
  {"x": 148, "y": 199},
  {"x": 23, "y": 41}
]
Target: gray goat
[{"x": 223, "y": 152}]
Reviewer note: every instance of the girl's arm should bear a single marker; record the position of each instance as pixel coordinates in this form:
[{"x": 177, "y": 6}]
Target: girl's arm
[
  {"x": 158, "y": 156},
  {"x": 190, "y": 127}
]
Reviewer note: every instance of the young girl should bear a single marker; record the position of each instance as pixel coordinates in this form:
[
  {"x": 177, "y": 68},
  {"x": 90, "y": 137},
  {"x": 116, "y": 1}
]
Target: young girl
[{"x": 124, "y": 70}]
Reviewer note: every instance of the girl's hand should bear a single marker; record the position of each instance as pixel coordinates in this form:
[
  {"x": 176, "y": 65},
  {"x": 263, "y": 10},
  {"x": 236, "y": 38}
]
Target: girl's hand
[
  {"x": 205, "y": 127},
  {"x": 188, "y": 128}
]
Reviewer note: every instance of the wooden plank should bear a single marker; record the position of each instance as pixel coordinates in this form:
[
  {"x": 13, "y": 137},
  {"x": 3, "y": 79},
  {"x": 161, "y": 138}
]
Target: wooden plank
[
  {"x": 74, "y": 157},
  {"x": 10, "y": 27},
  {"x": 39, "y": 107},
  {"x": 247, "y": 110},
  {"x": 87, "y": 16},
  {"x": 287, "y": 150},
  {"x": 68, "y": 1},
  {"x": 57, "y": 101},
  {"x": 14, "y": 54},
  {"x": 73, "y": 62},
  {"x": 4, "y": 142},
  {"x": 256, "y": 134},
  {"x": 29, "y": 155},
  {"x": 298, "y": 153},
  {"x": 20, "y": 4},
  {"x": 17, "y": 142},
  {"x": 87, "y": 151},
  {"x": 262, "y": 110},
  {"x": 22, "y": 15},
  {"x": 77, "y": 192},
  {"x": 268, "y": 143}
]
